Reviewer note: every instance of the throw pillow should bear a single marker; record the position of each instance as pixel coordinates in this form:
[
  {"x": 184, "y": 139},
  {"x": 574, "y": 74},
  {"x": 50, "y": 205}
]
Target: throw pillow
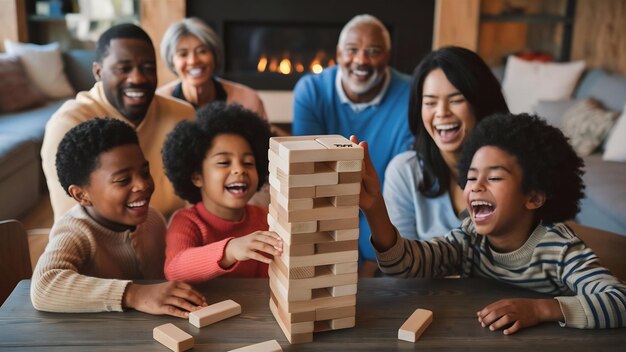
[
  {"x": 527, "y": 82},
  {"x": 615, "y": 148},
  {"x": 17, "y": 92},
  {"x": 44, "y": 66},
  {"x": 553, "y": 111},
  {"x": 587, "y": 124}
]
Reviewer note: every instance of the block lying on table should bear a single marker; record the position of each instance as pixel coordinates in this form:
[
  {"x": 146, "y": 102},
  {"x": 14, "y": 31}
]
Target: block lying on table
[
  {"x": 267, "y": 346},
  {"x": 214, "y": 313},
  {"x": 172, "y": 337},
  {"x": 413, "y": 327}
]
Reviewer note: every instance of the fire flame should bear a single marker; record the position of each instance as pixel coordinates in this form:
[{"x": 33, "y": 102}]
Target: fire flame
[{"x": 287, "y": 65}]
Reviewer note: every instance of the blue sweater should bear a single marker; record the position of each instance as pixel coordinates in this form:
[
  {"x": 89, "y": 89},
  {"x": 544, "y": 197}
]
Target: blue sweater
[
  {"x": 553, "y": 261},
  {"x": 318, "y": 110}
]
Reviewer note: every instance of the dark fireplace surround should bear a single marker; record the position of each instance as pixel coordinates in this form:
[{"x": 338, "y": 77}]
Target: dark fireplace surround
[{"x": 270, "y": 44}]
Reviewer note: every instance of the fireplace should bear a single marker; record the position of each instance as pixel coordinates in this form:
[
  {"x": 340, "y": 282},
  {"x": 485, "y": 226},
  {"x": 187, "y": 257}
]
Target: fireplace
[{"x": 270, "y": 44}]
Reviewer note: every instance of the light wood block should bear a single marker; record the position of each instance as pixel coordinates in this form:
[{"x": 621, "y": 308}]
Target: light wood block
[
  {"x": 323, "y": 175},
  {"x": 267, "y": 346},
  {"x": 321, "y": 259},
  {"x": 172, "y": 337},
  {"x": 315, "y": 150},
  {"x": 345, "y": 235},
  {"x": 276, "y": 141},
  {"x": 343, "y": 201},
  {"x": 286, "y": 328},
  {"x": 343, "y": 189},
  {"x": 341, "y": 144},
  {"x": 344, "y": 268},
  {"x": 294, "y": 273},
  {"x": 350, "y": 177},
  {"x": 214, "y": 313},
  {"x": 292, "y": 228},
  {"x": 290, "y": 204},
  {"x": 290, "y": 168},
  {"x": 345, "y": 165},
  {"x": 296, "y": 250},
  {"x": 335, "y": 324},
  {"x": 323, "y": 278},
  {"x": 413, "y": 327},
  {"x": 343, "y": 290},
  {"x": 321, "y": 299},
  {"x": 298, "y": 238},
  {"x": 293, "y": 317},
  {"x": 335, "y": 313},
  {"x": 326, "y": 212},
  {"x": 338, "y": 224},
  {"x": 277, "y": 283},
  {"x": 293, "y": 192},
  {"x": 340, "y": 246}
]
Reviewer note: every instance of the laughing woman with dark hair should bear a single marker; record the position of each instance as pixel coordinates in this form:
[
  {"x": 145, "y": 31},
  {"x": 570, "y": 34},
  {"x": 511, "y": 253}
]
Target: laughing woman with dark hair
[{"x": 451, "y": 91}]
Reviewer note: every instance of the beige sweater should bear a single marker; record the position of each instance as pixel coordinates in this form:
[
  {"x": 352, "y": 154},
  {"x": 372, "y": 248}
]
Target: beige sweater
[
  {"x": 164, "y": 113},
  {"x": 86, "y": 267}
]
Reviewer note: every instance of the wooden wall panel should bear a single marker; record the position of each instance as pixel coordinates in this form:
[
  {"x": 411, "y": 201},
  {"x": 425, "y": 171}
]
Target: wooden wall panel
[
  {"x": 13, "y": 19},
  {"x": 599, "y": 34},
  {"x": 456, "y": 23},
  {"x": 156, "y": 16}
]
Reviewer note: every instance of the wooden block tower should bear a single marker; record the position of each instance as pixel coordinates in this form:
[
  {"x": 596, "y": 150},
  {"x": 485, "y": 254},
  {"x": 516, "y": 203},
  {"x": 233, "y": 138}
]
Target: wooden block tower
[{"x": 315, "y": 184}]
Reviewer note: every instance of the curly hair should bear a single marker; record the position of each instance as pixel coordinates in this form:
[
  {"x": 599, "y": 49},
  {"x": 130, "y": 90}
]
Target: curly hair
[
  {"x": 186, "y": 146},
  {"x": 549, "y": 164},
  {"x": 78, "y": 154}
]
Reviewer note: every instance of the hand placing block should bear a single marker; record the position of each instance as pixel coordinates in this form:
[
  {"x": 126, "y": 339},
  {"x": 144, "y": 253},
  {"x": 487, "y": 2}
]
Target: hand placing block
[
  {"x": 214, "y": 313},
  {"x": 172, "y": 337},
  {"x": 413, "y": 327},
  {"x": 267, "y": 346}
]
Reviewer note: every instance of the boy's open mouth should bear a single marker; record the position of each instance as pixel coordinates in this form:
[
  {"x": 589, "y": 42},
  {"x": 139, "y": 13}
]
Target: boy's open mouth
[
  {"x": 481, "y": 209},
  {"x": 237, "y": 188}
]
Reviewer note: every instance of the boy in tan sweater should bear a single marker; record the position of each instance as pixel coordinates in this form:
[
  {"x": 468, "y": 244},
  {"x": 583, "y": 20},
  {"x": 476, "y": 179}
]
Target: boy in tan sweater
[{"x": 111, "y": 236}]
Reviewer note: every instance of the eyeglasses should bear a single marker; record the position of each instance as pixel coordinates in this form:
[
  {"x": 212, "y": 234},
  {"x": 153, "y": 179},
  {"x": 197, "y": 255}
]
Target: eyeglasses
[{"x": 371, "y": 52}]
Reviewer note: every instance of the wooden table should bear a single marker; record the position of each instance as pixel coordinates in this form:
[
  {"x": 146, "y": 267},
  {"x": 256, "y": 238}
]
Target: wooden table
[{"x": 383, "y": 304}]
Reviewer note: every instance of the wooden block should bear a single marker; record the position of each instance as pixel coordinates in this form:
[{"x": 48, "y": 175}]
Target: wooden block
[
  {"x": 326, "y": 212},
  {"x": 290, "y": 168},
  {"x": 343, "y": 290},
  {"x": 267, "y": 346},
  {"x": 214, "y": 313},
  {"x": 345, "y": 235},
  {"x": 335, "y": 313},
  {"x": 298, "y": 238},
  {"x": 343, "y": 189},
  {"x": 323, "y": 278},
  {"x": 334, "y": 324},
  {"x": 293, "y": 192},
  {"x": 350, "y": 177},
  {"x": 291, "y": 228},
  {"x": 338, "y": 224},
  {"x": 323, "y": 175},
  {"x": 415, "y": 325},
  {"x": 339, "y": 246},
  {"x": 345, "y": 165},
  {"x": 342, "y": 201},
  {"x": 340, "y": 144},
  {"x": 292, "y": 337},
  {"x": 172, "y": 337},
  {"x": 290, "y": 204},
  {"x": 321, "y": 299},
  {"x": 293, "y": 317},
  {"x": 344, "y": 268},
  {"x": 299, "y": 249},
  {"x": 321, "y": 259},
  {"x": 276, "y": 141},
  {"x": 277, "y": 283},
  {"x": 294, "y": 273}
]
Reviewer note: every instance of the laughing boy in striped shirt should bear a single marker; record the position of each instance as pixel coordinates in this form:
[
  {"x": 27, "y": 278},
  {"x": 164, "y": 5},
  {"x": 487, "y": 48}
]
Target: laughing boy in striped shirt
[{"x": 521, "y": 179}]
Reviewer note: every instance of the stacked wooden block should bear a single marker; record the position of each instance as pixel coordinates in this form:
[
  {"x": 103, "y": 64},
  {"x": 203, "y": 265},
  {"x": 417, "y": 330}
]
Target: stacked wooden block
[{"x": 315, "y": 185}]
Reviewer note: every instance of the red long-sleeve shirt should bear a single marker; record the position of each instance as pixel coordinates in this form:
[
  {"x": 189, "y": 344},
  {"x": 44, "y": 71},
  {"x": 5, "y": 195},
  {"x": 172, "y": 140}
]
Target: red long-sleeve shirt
[{"x": 196, "y": 240}]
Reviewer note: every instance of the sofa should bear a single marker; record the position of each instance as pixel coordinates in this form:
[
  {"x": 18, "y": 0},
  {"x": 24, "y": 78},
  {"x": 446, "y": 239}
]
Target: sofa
[
  {"x": 604, "y": 205},
  {"x": 21, "y": 134}
]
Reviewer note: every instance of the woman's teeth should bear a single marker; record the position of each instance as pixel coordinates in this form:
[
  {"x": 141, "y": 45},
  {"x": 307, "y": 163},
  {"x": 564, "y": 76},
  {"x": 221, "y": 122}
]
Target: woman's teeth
[
  {"x": 195, "y": 72},
  {"x": 137, "y": 204}
]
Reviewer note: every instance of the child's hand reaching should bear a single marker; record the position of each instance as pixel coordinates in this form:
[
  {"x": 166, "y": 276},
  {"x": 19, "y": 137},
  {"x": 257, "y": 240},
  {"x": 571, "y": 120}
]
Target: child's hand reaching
[
  {"x": 172, "y": 298},
  {"x": 520, "y": 312},
  {"x": 252, "y": 246},
  {"x": 370, "y": 185}
]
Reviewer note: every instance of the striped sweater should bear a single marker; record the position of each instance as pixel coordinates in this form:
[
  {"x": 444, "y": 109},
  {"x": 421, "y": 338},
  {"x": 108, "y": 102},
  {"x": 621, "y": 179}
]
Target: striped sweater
[
  {"x": 86, "y": 266},
  {"x": 552, "y": 261}
]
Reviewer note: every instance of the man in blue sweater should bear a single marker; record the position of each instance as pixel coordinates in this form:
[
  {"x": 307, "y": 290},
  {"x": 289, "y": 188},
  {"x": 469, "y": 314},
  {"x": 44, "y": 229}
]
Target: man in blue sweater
[{"x": 360, "y": 96}]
